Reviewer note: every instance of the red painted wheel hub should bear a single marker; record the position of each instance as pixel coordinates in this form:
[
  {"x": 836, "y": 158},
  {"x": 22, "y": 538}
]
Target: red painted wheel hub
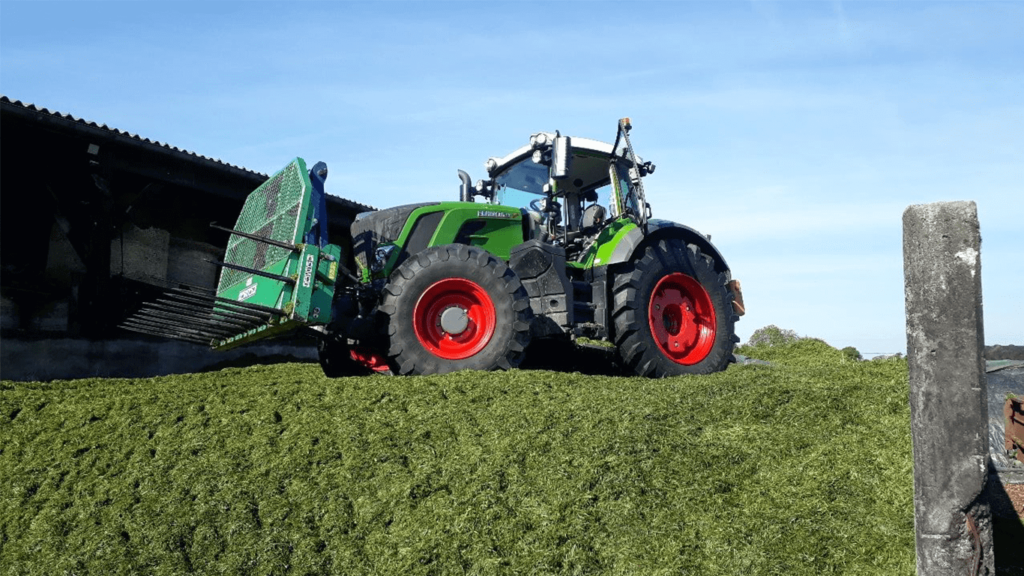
[
  {"x": 682, "y": 319},
  {"x": 454, "y": 318},
  {"x": 373, "y": 360}
]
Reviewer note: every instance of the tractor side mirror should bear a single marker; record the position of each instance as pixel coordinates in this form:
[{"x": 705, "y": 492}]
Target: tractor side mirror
[{"x": 560, "y": 158}]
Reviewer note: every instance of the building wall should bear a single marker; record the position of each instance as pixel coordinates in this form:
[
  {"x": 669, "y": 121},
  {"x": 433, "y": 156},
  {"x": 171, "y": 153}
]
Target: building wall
[{"x": 96, "y": 221}]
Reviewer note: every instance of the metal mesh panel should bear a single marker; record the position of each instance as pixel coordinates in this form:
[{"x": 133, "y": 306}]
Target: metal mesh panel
[{"x": 271, "y": 211}]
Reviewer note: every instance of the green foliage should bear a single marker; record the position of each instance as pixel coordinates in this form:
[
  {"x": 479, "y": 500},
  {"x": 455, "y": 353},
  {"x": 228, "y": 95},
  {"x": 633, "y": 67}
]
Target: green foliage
[
  {"x": 772, "y": 335},
  {"x": 852, "y": 354},
  {"x": 802, "y": 467}
]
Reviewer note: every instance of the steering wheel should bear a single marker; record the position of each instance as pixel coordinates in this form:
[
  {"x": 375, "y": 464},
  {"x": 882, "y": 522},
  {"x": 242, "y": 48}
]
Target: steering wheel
[{"x": 536, "y": 209}]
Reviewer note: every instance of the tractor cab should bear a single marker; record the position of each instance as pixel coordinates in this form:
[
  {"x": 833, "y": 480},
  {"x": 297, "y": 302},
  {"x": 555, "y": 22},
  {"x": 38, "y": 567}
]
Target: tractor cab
[{"x": 568, "y": 188}]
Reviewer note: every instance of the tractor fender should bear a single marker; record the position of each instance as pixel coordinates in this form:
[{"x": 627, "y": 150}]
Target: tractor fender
[{"x": 635, "y": 240}]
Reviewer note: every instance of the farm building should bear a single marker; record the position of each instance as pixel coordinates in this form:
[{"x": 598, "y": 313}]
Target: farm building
[{"x": 96, "y": 220}]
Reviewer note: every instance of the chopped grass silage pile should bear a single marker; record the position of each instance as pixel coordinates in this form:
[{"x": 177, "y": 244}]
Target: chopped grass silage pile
[{"x": 802, "y": 467}]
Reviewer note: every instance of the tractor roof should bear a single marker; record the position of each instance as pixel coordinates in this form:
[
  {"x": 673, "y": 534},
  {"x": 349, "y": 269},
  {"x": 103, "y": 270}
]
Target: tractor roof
[
  {"x": 579, "y": 145},
  {"x": 589, "y": 167}
]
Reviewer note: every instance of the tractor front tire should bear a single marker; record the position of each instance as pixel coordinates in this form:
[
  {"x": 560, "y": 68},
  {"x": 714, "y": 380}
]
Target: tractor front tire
[
  {"x": 455, "y": 307},
  {"x": 673, "y": 313}
]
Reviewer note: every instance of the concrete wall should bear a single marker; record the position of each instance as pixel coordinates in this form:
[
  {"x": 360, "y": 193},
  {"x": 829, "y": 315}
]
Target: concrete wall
[{"x": 945, "y": 338}]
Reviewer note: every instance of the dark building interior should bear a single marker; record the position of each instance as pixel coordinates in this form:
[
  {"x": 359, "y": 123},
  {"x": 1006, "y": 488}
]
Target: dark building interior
[{"x": 95, "y": 221}]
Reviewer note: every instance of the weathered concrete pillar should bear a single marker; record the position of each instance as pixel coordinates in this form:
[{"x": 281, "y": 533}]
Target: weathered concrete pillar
[{"x": 945, "y": 339}]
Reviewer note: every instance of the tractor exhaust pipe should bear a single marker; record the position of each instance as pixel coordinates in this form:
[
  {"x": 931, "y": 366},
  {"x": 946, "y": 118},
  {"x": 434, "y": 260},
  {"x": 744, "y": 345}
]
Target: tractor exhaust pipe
[{"x": 466, "y": 189}]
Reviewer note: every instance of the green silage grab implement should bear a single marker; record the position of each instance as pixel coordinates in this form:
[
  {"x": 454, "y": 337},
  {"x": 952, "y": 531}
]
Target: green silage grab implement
[
  {"x": 557, "y": 243},
  {"x": 278, "y": 274},
  {"x": 274, "y": 260}
]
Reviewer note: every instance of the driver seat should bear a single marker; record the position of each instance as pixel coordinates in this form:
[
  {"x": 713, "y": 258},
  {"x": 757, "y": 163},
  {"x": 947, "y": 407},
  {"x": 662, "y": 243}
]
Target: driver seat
[
  {"x": 593, "y": 218},
  {"x": 533, "y": 226}
]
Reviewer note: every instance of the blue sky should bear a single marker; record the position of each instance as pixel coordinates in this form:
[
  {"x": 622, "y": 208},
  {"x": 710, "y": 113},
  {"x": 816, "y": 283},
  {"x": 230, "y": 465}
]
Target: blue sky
[{"x": 795, "y": 133}]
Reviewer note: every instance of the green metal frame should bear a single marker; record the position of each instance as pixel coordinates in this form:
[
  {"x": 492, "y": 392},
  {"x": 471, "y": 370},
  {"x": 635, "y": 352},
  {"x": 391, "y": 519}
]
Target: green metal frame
[{"x": 280, "y": 210}]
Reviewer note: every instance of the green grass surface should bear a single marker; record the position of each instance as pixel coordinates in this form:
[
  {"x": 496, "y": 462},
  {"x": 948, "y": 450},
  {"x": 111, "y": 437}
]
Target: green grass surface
[{"x": 802, "y": 467}]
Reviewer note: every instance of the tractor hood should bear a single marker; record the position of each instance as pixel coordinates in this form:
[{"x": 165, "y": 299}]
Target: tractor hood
[{"x": 373, "y": 228}]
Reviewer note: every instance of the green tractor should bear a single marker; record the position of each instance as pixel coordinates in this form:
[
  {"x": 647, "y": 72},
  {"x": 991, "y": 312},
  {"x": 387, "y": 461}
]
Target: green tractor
[{"x": 558, "y": 243}]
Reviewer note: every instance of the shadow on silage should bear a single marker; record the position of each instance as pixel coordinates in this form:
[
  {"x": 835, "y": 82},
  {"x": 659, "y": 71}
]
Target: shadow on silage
[
  {"x": 566, "y": 356},
  {"x": 250, "y": 359}
]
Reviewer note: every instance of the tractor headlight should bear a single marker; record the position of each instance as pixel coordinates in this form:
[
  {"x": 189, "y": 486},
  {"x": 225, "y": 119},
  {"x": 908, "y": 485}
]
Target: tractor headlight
[{"x": 381, "y": 256}]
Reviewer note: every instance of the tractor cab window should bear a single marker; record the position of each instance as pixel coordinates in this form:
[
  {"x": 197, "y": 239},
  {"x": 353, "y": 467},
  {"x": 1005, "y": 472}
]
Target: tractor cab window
[
  {"x": 521, "y": 183},
  {"x": 625, "y": 199},
  {"x": 508, "y": 196},
  {"x": 522, "y": 186},
  {"x": 597, "y": 186},
  {"x": 626, "y": 172}
]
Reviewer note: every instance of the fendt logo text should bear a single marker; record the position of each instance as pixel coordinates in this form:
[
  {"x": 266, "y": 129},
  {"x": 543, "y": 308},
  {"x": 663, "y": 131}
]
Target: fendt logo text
[{"x": 307, "y": 277}]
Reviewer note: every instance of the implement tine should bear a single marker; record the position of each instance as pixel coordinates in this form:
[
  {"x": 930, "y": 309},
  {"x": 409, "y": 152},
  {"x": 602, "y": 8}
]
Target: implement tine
[
  {"x": 196, "y": 288},
  {"x": 202, "y": 314},
  {"x": 209, "y": 305},
  {"x": 278, "y": 277},
  {"x": 202, "y": 324},
  {"x": 163, "y": 334},
  {"x": 246, "y": 324},
  {"x": 255, "y": 307},
  {"x": 205, "y": 321},
  {"x": 263, "y": 239},
  {"x": 148, "y": 332},
  {"x": 183, "y": 324},
  {"x": 170, "y": 331},
  {"x": 154, "y": 332}
]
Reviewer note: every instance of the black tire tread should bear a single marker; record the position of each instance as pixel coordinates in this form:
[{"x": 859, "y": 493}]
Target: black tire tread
[
  {"x": 407, "y": 355},
  {"x": 631, "y": 292}
]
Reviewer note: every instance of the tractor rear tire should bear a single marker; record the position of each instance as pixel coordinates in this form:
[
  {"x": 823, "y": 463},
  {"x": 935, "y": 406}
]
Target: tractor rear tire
[
  {"x": 673, "y": 313},
  {"x": 455, "y": 307}
]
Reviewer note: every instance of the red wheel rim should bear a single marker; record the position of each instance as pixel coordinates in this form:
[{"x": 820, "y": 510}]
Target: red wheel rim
[
  {"x": 469, "y": 304},
  {"x": 682, "y": 319}
]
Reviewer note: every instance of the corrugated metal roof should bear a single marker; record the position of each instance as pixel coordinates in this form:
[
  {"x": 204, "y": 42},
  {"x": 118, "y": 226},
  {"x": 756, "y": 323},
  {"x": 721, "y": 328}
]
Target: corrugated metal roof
[{"x": 4, "y": 100}]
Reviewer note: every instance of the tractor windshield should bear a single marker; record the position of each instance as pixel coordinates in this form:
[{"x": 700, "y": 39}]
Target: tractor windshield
[{"x": 521, "y": 183}]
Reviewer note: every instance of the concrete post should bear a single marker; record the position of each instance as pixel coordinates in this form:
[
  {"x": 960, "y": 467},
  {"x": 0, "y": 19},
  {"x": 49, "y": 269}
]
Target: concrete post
[{"x": 948, "y": 416}]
